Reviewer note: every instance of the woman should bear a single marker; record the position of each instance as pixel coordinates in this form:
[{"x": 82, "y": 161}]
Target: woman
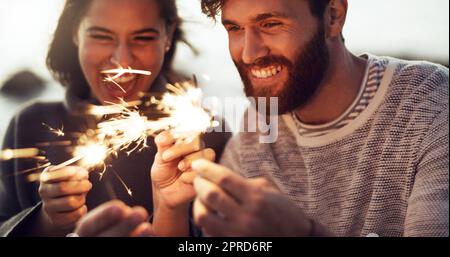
[{"x": 93, "y": 36}]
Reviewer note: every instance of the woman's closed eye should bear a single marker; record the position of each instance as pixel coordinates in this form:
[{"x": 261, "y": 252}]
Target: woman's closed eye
[
  {"x": 144, "y": 39},
  {"x": 101, "y": 37}
]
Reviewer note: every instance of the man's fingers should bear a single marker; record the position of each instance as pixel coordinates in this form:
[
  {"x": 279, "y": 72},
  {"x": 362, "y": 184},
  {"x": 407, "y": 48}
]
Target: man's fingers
[
  {"x": 210, "y": 223},
  {"x": 101, "y": 218},
  {"x": 215, "y": 198},
  {"x": 67, "y": 173},
  {"x": 207, "y": 154},
  {"x": 131, "y": 221},
  {"x": 181, "y": 149},
  {"x": 229, "y": 181},
  {"x": 66, "y": 188}
]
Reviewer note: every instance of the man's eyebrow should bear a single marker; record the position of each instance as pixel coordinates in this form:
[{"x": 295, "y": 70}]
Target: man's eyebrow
[
  {"x": 259, "y": 17},
  {"x": 228, "y": 22},
  {"x": 264, "y": 16}
]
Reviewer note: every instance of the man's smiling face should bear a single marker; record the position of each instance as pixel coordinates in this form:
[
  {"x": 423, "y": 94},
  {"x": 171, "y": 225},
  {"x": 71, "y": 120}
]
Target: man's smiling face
[{"x": 278, "y": 47}]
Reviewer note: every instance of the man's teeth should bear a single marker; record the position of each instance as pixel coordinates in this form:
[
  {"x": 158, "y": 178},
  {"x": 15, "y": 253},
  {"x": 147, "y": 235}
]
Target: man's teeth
[{"x": 266, "y": 72}]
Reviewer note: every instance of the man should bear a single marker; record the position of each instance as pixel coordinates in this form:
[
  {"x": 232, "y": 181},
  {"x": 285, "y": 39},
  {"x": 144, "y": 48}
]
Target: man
[{"x": 362, "y": 147}]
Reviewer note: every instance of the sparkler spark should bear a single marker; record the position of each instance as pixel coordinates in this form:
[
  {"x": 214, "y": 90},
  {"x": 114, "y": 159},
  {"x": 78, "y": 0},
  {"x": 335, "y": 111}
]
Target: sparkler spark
[
  {"x": 129, "y": 128},
  {"x": 57, "y": 132},
  {"x": 93, "y": 154},
  {"x": 9, "y": 154},
  {"x": 113, "y": 74},
  {"x": 129, "y": 191}
]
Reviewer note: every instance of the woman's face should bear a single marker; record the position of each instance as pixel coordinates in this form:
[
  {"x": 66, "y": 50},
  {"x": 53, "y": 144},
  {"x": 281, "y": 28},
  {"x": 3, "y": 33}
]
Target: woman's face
[{"x": 129, "y": 33}]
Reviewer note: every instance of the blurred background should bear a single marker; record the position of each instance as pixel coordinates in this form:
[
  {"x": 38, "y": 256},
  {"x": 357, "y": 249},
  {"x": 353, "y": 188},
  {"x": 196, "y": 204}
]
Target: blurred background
[{"x": 409, "y": 29}]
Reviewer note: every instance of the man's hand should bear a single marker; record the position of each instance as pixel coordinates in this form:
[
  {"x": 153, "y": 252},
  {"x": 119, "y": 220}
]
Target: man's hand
[
  {"x": 115, "y": 219},
  {"x": 63, "y": 193},
  {"x": 230, "y": 205},
  {"x": 171, "y": 174}
]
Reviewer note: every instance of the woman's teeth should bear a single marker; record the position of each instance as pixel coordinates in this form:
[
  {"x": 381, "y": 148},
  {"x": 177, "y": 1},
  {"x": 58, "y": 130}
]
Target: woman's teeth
[
  {"x": 266, "y": 72},
  {"x": 125, "y": 78}
]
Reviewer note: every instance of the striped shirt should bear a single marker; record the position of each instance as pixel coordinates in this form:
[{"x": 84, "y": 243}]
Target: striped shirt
[
  {"x": 371, "y": 82},
  {"x": 384, "y": 173}
]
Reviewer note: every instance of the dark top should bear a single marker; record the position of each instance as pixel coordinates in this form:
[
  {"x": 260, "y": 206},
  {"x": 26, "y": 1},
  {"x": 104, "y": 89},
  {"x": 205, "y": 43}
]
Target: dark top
[{"x": 19, "y": 198}]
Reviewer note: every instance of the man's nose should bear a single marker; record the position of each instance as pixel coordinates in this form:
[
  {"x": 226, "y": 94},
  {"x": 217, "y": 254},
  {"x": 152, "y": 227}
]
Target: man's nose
[
  {"x": 254, "y": 47},
  {"x": 123, "y": 55}
]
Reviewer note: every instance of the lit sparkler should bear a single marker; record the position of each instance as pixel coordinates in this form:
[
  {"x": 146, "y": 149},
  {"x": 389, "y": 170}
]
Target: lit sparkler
[
  {"x": 9, "y": 154},
  {"x": 128, "y": 128},
  {"x": 113, "y": 74}
]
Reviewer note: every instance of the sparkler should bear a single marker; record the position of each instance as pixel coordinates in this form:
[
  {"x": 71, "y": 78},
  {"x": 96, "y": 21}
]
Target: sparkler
[
  {"x": 119, "y": 72},
  {"x": 9, "y": 154},
  {"x": 128, "y": 128}
]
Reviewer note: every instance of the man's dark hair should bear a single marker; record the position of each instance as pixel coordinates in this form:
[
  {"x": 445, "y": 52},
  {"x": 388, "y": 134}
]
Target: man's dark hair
[
  {"x": 62, "y": 57},
  {"x": 212, "y": 8}
]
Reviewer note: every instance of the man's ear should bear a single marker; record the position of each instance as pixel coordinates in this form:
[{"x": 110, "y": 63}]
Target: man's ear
[{"x": 335, "y": 18}]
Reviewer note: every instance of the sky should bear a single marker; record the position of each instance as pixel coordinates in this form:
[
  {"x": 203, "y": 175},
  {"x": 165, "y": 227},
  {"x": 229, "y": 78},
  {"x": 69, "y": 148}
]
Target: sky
[{"x": 414, "y": 28}]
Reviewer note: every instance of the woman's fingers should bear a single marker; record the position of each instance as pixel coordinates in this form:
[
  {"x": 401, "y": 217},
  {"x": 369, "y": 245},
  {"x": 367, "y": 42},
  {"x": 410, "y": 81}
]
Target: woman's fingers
[
  {"x": 50, "y": 176},
  {"x": 180, "y": 149},
  {"x": 207, "y": 154},
  {"x": 64, "y": 204},
  {"x": 66, "y": 188},
  {"x": 188, "y": 177},
  {"x": 69, "y": 219}
]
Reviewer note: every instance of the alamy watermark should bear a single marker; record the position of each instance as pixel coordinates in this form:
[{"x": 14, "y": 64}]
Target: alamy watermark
[{"x": 251, "y": 115}]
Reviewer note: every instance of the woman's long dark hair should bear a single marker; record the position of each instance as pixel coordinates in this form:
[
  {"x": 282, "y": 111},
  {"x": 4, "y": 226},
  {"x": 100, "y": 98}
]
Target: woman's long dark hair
[{"x": 62, "y": 58}]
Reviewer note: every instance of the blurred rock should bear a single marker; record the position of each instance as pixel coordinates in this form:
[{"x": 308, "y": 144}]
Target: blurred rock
[{"x": 23, "y": 85}]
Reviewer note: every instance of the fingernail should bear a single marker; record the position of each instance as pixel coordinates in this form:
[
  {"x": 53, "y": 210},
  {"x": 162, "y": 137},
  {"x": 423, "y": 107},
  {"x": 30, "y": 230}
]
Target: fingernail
[
  {"x": 196, "y": 164},
  {"x": 181, "y": 165},
  {"x": 161, "y": 138}
]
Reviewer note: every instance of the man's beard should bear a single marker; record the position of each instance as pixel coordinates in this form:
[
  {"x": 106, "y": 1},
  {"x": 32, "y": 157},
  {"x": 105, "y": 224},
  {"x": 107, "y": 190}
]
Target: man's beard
[{"x": 304, "y": 75}]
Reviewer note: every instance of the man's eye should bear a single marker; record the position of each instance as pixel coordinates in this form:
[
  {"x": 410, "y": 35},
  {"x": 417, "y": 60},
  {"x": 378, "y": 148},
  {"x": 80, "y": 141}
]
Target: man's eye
[
  {"x": 232, "y": 28},
  {"x": 269, "y": 25}
]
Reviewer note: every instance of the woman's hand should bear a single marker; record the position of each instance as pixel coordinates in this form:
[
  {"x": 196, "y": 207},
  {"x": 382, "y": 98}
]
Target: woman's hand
[
  {"x": 63, "y": 193},
  {"x": 171, "y": 174}
]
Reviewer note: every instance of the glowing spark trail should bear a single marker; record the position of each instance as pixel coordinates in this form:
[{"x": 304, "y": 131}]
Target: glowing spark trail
[
  {"x": 9, "y": 154},
  {"x": 119, "y": 72},
  {"x": 57, "y": 132},
  {"x": 130, "y": 193},
  {"x": 127, "y": 128}
]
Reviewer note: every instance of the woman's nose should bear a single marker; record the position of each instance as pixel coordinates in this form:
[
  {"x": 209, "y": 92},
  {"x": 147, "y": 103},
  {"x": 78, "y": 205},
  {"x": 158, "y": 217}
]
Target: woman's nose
[{"x": 123, "y": 56}]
